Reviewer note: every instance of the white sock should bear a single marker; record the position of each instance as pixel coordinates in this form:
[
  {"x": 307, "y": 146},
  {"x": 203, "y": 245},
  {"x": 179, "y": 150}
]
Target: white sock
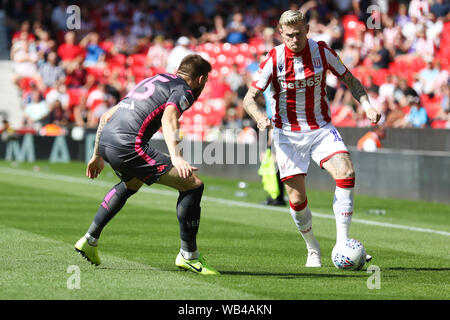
[
  {"x": 343, "y": 212},
  {"x": 189, "y": 255},
  {"x": 303, "y": 220},
  {"x": 91, "y": 240}
]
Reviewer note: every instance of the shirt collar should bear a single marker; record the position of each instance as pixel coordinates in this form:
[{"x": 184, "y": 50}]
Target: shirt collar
[{"x": 301, "y": 53}]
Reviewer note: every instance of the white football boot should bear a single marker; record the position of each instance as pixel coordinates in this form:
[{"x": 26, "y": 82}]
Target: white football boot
[{"x": 313, "y": 260}]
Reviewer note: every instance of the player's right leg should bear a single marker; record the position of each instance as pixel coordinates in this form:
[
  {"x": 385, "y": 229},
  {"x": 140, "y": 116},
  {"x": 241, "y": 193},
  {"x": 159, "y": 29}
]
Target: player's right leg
[
  {"x": 292, "y": 153},
  {"x": 112, "y": 203},
  {"x": 188, "y": 214},
  {"x": 300, "y": 212}
]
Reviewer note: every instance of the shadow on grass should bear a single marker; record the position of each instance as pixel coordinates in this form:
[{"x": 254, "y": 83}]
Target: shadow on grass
[
  {"x": 296, "y": 275},
  {"x": 414, "y": 269}
]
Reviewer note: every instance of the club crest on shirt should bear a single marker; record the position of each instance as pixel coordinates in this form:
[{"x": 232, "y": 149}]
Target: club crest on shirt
[
  {"x": 184, "y": 103},
  {"x": 317, "y": 63}
]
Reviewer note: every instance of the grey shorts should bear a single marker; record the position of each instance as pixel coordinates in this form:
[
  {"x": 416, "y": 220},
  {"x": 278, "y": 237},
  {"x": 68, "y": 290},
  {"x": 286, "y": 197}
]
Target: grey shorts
[{"x": 148, "y": 165}]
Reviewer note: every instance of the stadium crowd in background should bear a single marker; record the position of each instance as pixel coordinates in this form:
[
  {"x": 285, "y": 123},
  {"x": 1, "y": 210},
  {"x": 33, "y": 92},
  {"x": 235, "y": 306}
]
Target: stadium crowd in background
[{"x": 399, "y": 50}]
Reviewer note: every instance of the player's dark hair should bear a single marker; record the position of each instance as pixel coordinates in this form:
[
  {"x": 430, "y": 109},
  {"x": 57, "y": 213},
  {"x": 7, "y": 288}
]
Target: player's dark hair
[{"x": 194, "y": 66}]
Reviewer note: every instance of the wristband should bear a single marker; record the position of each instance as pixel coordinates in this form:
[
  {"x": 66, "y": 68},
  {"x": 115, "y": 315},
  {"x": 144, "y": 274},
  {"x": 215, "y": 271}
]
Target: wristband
[{"x": 366, "y": 105}]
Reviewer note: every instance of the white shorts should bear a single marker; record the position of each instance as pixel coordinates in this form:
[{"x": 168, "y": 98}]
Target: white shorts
[{"x": 294, "y": 149}]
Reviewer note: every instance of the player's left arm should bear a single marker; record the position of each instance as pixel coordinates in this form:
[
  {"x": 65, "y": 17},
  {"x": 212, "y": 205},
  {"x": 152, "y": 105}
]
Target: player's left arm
[
  {"x": 171, "y": 130},
  {"x": 359, "y": 93}
]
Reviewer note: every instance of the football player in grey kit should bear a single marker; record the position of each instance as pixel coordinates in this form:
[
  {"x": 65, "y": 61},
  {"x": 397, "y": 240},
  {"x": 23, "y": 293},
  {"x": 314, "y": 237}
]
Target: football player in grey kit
[{"x": 122, "y": 140}]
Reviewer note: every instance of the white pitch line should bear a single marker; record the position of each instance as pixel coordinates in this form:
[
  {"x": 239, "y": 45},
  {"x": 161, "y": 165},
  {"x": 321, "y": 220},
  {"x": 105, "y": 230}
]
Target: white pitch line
[{"x": 227, "y": 202}]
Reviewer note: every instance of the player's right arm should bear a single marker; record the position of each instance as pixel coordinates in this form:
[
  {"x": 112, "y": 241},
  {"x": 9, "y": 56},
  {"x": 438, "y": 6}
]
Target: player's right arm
[
  {"x": 96, "y": 164},
  {"x": 251, "y": 107},
  {"x": 260, "y": 82}
]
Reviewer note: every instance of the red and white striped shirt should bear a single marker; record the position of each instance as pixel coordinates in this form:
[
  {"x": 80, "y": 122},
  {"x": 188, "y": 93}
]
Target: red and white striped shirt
[{"x": 299, "y": 100}]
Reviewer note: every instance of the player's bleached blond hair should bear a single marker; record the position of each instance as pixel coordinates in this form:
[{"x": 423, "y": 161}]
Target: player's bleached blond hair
[{"x": 290, "y": 17}]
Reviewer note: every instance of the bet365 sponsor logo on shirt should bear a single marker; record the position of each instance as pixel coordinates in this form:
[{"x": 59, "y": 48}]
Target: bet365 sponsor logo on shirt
[{"x": 303, "y": 83}]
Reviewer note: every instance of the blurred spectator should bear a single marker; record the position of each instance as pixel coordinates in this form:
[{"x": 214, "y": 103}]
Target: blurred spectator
[
  {"x": 77, "y": 76},
  {"x": 82, "y": 115},
  {"x": 7, "y": 132},
  {"x": 390, "y": 31},
  {"x": 58, "y": 94},
  {"x": 428, "y": 76},
  {"x": 374, "y": 96},
  {"x": 232, "y": 120},
  {"x": 442, "y": 78},
  {"x": 119, "y": 23},
  {"x": 422, "y": 46},
  {"x": 343, "y": 6},
  {"x": 417, "y": 85},
  {"x": 95, "y": 55},
  {"x": 70, "y": 53},
  {"x": 236, "y": 29},
  {"x": 58, "y": 115},
  {"x": 50, "y": 72},
  {"x": 440, "y": 8},
  {"x": 36, "y": 111},
  {"x": 120, "y": 42},
  {"x": 253, "y": 21},
  {"x": 334, "y": 28},
  {"x": 371, "y": 141},
  {"x": 59, "y": 16},
  {"x": 402, "y": 46},
  {"x": 141, "y": 29},
  {"x": 157, "y": 55},
  {"x": 97, "y": 103},
  {"x": 417, "y": 117},
  {"x": 387, "y": 88},
  {"x": 87, "y": 24},
  {"x": 234, "y": 78},
  {"x": 434, "y": 27},
  {"x": 318, "y": 31},
  {"x": 162, "y": 12},
  {"x": 177, "y": 54},
  {"x": 196, "y": 26},
  {"x": 410, "y": 28},
  {"x": 351, "y": 53},
  {"x": 379, "y": 56},
  {"x": 24, "y": 58},
  {"x": 218, "y": 33},
  {"x": 419, "y": 9},
  {"x": 403, "y": 92},
  {"x": 402, "y": 15},
  {"x": 45, "y": 44},
  {"x": 23, "y": 34},
  {"x": 269, "y": 39},
  {"x": 445, "y": 103},
  {"x": 395, "y": 117}
]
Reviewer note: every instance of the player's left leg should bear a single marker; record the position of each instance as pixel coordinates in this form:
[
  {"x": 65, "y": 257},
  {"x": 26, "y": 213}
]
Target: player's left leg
[
  {"x": 188, "y": 214},
  {"x": 340, "y": 167}
]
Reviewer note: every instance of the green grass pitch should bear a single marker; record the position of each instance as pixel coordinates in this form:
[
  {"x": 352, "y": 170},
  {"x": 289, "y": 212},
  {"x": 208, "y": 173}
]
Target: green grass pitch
[{"x": 45, "y": 208}]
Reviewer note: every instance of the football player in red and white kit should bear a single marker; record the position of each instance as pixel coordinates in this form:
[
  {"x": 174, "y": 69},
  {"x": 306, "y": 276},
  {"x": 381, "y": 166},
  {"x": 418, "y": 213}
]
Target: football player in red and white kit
[{"x": 302, "y": 129}]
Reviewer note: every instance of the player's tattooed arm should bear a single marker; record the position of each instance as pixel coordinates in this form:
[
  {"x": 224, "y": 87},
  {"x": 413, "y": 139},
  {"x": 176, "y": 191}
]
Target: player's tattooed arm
[
  {"x": 359, "y": 93},
  {"x": 251, "y": 107},
  {"x": 96, "y": 164},
  {"x": 355, "y": 86},
  {"x": 103, "y": 120}
]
